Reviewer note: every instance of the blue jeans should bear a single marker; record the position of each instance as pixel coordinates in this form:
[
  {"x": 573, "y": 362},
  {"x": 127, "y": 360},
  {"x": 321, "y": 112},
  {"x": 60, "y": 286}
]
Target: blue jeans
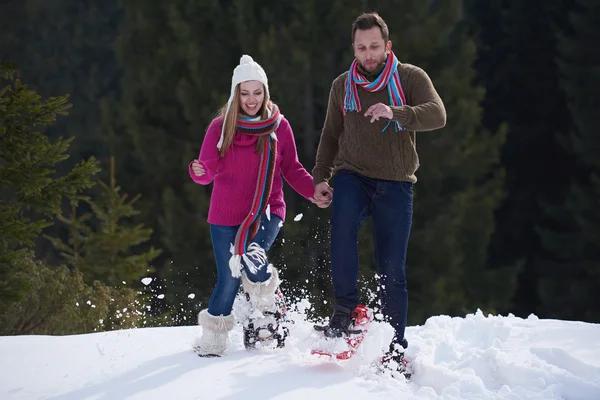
[
  {"x": 227, "y": 287},
  {"x": 390, "y": 205}
]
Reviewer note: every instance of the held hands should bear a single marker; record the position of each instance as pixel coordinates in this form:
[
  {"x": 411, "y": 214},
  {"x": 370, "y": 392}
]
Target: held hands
[
  {"x": 197, "y": 168},
  {"x": 323, "y": 195},
  {"x": 379, "y": 110}
]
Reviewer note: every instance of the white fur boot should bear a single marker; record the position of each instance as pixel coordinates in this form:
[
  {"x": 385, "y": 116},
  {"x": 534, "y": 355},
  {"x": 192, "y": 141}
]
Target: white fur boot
[
  {"x": 262, "y": 294},
  {"x": 215, "y": 334},
  {"x": 266, "y": 310}
]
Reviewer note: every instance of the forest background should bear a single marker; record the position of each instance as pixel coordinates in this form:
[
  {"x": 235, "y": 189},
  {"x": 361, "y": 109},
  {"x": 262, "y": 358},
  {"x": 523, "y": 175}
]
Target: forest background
[{"x": 103, "y": 105}]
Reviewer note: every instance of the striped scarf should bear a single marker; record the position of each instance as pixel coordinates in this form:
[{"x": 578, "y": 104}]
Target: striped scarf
[
  {"x": 389, "y": 78},
  {"x": 242, "y": 249}
]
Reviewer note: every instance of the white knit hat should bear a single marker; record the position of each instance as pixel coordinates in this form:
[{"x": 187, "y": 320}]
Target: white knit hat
[{"x": 248, "y": 70}]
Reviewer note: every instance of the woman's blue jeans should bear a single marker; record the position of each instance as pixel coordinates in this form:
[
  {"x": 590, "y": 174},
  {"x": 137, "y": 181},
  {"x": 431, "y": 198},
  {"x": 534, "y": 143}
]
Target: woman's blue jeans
[{"x": 227, "y": 287}]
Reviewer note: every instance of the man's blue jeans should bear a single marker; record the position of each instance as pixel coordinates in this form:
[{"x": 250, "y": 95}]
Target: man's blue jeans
[
  {"x": 227, "y": 287},
  {"x": 390, "y": 205}
]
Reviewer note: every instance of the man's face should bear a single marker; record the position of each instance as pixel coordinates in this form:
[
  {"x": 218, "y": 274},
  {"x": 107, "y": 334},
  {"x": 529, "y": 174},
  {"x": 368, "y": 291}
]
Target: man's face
[{"x": 370, "y": 49}]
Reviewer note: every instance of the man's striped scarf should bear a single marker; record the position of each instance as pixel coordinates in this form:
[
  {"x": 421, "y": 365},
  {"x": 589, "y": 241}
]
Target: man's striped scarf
[
  {"x": 243, "y": 247},
  {"x": 389, "y": 78}
]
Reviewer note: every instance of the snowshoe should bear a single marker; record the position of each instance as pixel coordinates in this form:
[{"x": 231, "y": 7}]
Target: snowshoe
[
  {"x": 352, "y": 328},
  {"x": 268, "y": 325}
]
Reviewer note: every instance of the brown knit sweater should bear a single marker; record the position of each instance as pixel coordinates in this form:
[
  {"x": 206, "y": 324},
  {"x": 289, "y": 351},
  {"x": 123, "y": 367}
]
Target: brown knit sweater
[{"x": 352, "y": 142}]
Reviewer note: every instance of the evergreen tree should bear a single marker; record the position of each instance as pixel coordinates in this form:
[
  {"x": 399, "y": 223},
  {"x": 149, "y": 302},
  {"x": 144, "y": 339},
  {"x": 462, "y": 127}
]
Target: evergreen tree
[
  {"x": 569, "y": 267},
  {"x": 32, "y": 295},
  {"x": 102, "y": 246},
  {"x": 65, "y": 46},
  {"x": 31, "y": 192},
  {"x": 176, "y": 59},
  {"x": 516, "y": 65},
  {"x": 460, "y": 182},
  {"x": 103, "y": 249}
]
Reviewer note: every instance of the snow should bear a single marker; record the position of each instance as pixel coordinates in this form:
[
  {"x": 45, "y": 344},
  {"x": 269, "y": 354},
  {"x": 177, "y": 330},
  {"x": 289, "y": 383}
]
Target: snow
[{"x": 471, "y": 357}]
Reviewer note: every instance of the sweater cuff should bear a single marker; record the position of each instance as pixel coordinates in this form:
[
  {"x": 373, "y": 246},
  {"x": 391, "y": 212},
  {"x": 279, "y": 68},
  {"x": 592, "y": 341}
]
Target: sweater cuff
[
  {"x": 402, "y": 114},
  {"x": 320, "y": 174},
  {"x": 201, "y": 180}
]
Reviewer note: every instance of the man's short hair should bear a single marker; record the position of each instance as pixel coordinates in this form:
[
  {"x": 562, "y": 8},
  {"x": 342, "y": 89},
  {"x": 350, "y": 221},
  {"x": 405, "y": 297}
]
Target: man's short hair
[{"x": 367, "y": 21}]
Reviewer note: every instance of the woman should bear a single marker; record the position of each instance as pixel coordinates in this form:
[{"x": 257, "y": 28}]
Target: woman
[{"x": 245, "y": 152}]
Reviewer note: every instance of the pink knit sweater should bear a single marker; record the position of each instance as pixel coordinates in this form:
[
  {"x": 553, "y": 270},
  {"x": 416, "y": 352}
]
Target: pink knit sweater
[{"x": 236, "y": 173}]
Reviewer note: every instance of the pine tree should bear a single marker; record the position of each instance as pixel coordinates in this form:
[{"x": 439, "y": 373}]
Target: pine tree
[
  {"x": 516, "y": 65},
  {"x": 103, "y": 249},
  {"x": 460, "y": 182},
  {"x": 32, "y": 295},
  {"x": 66, "y": 46},
  {"x": 569, "y": 268},
  {"x": 174, "y": 80},
  {"x": 31, "y": 192}
]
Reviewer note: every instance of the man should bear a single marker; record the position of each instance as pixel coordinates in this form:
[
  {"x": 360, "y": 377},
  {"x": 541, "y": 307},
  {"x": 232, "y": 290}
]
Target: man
[{"x": 368, "y": 142}]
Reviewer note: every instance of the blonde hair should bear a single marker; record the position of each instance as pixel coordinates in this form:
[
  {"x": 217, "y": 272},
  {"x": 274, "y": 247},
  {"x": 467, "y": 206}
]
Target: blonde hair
[{"x": 230, "y": 120}]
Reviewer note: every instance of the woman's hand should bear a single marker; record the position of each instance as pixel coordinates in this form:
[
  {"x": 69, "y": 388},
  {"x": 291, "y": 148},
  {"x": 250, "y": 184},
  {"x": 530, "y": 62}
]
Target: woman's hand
[{"x": 197, "y": 168}]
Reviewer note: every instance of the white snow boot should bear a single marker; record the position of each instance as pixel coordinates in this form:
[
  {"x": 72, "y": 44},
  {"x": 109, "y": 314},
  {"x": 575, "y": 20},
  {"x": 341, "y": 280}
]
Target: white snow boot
[
  {"x": 267, "y": 310},
  {"x": 215, "y": 334}
]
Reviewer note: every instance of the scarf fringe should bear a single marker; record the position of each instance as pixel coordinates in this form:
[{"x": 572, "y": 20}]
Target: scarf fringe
[
  {"x": 258, "y": 253},
  {"x": 235, "y": 265},
  {"x": 254, "y": 251}
]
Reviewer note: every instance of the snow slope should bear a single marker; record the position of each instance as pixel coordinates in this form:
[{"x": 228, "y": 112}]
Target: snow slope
[{"x": 475, "y": 357}]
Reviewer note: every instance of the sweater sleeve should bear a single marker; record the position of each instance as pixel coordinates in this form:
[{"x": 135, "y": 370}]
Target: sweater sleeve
[
  {"x": 427, "y": 111},
  {"x": 209, "y": 154},
  {"x": 291, "y": 168},
  {"x": 330, "y": 135}
]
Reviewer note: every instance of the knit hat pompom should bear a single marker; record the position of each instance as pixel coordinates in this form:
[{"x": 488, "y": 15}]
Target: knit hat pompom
[{"x": 246, "y": 59}]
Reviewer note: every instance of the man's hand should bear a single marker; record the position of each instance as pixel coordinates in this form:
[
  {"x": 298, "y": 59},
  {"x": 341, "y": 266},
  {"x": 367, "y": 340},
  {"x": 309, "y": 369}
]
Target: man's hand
[
  {"x": 323, "y": 195},
  {"x": 197, "y": 168},
  {"x": 379, "y": 110}
]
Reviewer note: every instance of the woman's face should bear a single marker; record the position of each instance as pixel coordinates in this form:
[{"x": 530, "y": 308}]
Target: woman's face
[{"x": 252, "y": 95}]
